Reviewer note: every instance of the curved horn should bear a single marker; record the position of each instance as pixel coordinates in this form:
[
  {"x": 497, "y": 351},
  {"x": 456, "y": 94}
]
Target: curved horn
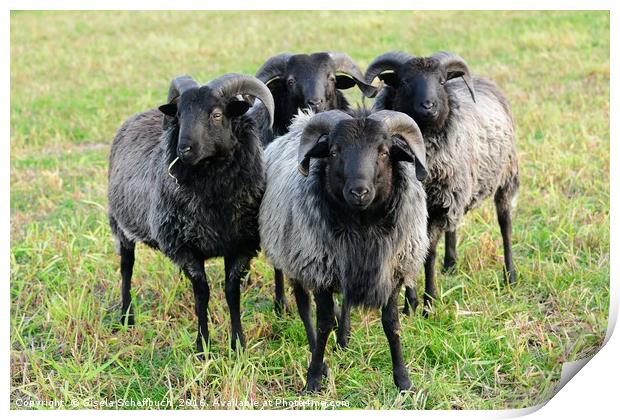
[
  {"x": 388, "y": 61},
  {"x": 345, "y": 64},
  {"x": 404, "y": 126},
  {"x": 179, "y": 85},
  {"x": 273, "y": 68},
  {"x": 316, "y": 128},
  {"x": 456, "y": 66},
  {"x": 233, "y": 84}
]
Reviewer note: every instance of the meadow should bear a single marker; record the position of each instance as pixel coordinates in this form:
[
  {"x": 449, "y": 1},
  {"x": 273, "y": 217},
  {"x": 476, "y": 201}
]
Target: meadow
[{"x": 75, "y": 76}]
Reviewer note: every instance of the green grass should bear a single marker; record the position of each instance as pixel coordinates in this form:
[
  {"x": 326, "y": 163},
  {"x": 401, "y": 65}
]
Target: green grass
[{"x": 76, "y": 76}]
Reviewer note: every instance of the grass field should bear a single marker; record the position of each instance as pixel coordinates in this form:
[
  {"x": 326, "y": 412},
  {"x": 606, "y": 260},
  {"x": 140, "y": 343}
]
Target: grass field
[{"x": 76, "y": 76}]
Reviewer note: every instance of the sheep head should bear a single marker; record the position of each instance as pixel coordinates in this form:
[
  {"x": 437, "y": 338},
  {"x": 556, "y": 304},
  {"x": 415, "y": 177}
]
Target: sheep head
[
  {"x": 204, "y": 114},
  {"x": 311, "y": 80},
  {"x": 419, "y": 84},
  {"x": 359, "y": 155}
]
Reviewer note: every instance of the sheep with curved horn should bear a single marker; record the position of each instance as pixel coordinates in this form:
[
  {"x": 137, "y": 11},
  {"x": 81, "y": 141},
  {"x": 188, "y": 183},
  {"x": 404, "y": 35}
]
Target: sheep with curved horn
[
  {"x": 470, "y": 141},
  {"x": 187, "y": 179}
]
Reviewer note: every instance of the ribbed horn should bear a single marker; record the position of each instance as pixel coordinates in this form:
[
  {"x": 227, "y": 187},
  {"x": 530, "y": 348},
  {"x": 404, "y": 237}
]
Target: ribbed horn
[
  {"x": 179, "y": 85},
  {"x": 233, "y": 84},
  {"x": 388, "y": 61},
  {"x": 404, "y": 126},
  {"x": 456, "y": 66},
  {"x": 273, "y": 68},
  {"x": 346, "y": 65},
  {"x": 318, "y": 126}
]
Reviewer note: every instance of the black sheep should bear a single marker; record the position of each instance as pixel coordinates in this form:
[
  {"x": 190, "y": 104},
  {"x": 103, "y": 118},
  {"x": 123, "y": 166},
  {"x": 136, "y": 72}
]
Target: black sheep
[{"x": 188, "y": 179}]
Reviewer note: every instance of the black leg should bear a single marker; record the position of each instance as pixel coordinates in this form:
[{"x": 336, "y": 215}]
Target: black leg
[
  {"x": 235, "y": 268},
  {"x": 325, "y": 324},
  {"x": 503, "y": 208},
  {"x": 430, "y": 292},
  {"x": 127, "y": 261},
  {"x": 449, "y": 261},
  {"x": 411, "y": 301},
  {"x": 195, "y": 271},
  {"x": 391, "y": 327},
  {"x": 344, "y": 324},
  {"x": 302, "y": 297},
  {"x": 280, "y": 304}
]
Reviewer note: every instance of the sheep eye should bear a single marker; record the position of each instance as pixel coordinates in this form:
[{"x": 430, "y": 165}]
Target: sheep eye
[
  {"x": 333, "y": 153},
  {"x": 291, "y": 82},
  {"x": 442, "y": 82},
  {"x": 216, "y": 115},
  {"x": 331, "y": 78},
  {"x": 383, "y": 154}
]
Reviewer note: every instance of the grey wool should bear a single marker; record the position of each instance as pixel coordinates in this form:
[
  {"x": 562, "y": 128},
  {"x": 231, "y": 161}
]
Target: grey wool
[
  {"x": 301, "y": 234},
  {"x": 469, "y": 135}
]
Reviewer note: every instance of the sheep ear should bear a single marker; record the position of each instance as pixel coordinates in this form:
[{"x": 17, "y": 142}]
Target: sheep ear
[
  {"x": 418, "y": 150},
  {"x": 390, "y": 78},
  {"x": 400, "y": 152},
  {"x": 344, "y": 81},
  {"x": 275, "y": 82},
  {"x": 169, "y": 109},
  {"x": 318, "y": 150},
  {"x": 236, "y": 108},
  {"x": 170, "y": 114}
]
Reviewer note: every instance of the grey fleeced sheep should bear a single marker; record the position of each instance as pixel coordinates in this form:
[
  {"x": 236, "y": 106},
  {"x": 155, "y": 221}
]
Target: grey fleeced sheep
[
  {"x": 188, "y": 179},
  {"x": 470, "y": 144},
  {"x": 344, "y": 211}
]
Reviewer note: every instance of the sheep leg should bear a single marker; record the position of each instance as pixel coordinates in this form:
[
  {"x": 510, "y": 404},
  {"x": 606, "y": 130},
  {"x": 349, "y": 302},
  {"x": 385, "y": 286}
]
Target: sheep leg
[
  {"x": 302, "y": 298},
  {"x": 344, "y": 324},
  {"x": 280, "y": 304},
  {"x": 325, "y": 320},
  {"x": 449, "y": 260},
  {"x": 391, "y": 327},
  {"x": 235, "y": 268},
  {"x": 194, "y": 269},
  {"x": 127, "y": 261},
  {"x": 430, "y": 292},
  {"x": 411, "y": 300},
  {"x": 504, "y": 218}
]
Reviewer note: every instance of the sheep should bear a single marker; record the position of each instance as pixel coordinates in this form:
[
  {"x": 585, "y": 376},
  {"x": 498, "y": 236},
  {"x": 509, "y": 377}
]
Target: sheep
[
  {"x": 299, "y": 81},
  {"x": 470, "y": 142},
  {"x": 187, "y": 179},
  {"x": 344, "y": 211}
]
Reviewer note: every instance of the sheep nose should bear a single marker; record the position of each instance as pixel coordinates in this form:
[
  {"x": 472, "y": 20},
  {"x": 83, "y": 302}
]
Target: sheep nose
[
  {"x": 428, "y": 104},
  {"x": 359, "y": 192},
  {"x": 184, "y": 150},
  {"x": 314, "y": 102}
]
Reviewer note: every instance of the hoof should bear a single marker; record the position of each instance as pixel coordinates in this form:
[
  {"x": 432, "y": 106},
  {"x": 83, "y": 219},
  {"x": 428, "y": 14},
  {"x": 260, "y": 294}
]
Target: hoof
[
  {"x": 511, "y": 278},
  {"x": 281, "y": 308},
  {"x": 342, "y": 342},
  {"x": 234, "y": 346},
  {"x": 312, "y": 386},
  {"x": 127, "y": 319},
  {"x": 449, "y": 267},
  {"x": 324, "y": 370},
  {"x": 404, "y": 385},
  {"x": 401, "y": 380}
]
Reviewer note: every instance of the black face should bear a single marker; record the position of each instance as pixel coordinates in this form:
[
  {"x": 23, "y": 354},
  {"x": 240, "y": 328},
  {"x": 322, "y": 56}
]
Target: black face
[
  {"x": 420, "y": 92},
  {"x": 311, "y": 82},
  {"x": 359, "y": 163},
  {"x": 205, "y": 131}
]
